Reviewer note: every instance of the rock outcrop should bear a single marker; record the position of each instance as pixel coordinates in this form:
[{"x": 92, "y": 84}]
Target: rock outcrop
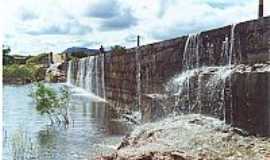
[
  {"x": 55, "y": 73},
  {"x": 189, "y": 137}
]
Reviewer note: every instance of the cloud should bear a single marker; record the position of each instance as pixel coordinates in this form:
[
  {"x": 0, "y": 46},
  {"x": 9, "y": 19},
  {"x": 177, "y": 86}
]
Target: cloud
[
  {"x": 103, "y": 9},
  {"x": 199, "y": 16},
  {"x": 32, "y": 26},
  {"x": 163, "y": 6},
  {"x": 86, "y": 43},
  {"x": 185, "y": 29},
  {"x": 113, "y": 15},
  {"x": 223, "y": 4},
  {"x": 71, "y": 28},
  {"x": 131, "y": 38},
  {"x": 7, "y": 36},
  {"x": 123, "y": 21},
  {"x": 26, "y": 15}
]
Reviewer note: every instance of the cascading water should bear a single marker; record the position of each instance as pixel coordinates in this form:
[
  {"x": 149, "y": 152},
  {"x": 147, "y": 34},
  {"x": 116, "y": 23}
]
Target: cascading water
[
  {"x": 198, "y": 88},
  {"x": 205, "y": 94},
  {"x": 138, "y": 78},
  {"x": 230, "y": 117},
  {"x": 191, "y": 52},
  {"x": 190, "y": 61},
  {"x": 69, "y": 73},
  {"x": 97, "y": 77},
  {"x": 81, "y": 81},
  {"x": 103, "y": 76},
  {"x": 88, "y": 75},
  {"x": 232, "y": 43}
]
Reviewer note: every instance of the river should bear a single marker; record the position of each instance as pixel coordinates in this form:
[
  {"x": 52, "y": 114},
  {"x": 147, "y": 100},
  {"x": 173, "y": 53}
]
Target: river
[{"x": 93, "y": 130}]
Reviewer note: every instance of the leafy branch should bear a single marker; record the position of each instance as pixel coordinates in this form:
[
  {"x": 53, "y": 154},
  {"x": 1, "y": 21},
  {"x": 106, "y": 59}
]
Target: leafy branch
[{"x": 49, "y": 103}]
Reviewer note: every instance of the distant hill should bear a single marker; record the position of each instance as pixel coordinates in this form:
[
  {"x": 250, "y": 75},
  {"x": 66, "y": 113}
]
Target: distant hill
[{"x": 80, "y": 50}]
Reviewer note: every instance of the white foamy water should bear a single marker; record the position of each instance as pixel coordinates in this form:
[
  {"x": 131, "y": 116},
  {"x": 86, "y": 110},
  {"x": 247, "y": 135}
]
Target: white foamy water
[
  {"x": 191, "y": 55},
  {"x": 87, "y": 77},
  {"x": 69, "y": 73},
  {"x": 199, "y": 88},
  {"x": 79, "y": 92}
]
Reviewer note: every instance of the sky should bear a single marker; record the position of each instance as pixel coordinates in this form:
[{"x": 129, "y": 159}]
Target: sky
[{"x": 36, "y": 26}]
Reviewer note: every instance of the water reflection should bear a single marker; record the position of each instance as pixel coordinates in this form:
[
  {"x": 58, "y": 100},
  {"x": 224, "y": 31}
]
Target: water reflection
[
  {"x": 92, "y": 131},
  {"x": 46, "y": 137}
]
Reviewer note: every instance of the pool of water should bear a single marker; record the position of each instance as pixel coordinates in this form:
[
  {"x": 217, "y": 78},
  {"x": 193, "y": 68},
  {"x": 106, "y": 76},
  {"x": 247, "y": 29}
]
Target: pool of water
[{"x": 93, "y": 129}]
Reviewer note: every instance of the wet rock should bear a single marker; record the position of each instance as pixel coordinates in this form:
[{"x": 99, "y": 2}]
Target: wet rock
[
  {"x": 125, "y": 142},
  {"x": 197, "y": 122},
  {"x": 240, "y": 132},
  {"x": 133, "y": 117}
]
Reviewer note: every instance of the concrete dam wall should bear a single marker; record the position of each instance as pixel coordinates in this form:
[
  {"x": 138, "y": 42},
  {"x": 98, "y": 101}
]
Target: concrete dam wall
[{"x": 223, "y": 72}]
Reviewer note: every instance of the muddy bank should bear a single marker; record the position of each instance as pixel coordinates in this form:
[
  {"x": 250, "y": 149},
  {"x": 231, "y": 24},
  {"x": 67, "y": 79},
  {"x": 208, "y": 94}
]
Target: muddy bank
[{"x": 189, "y": 137}]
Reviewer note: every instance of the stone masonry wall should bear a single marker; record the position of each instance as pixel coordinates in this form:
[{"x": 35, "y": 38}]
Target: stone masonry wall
[
  {"x": 161, "y": 61},
  {"x": 120, "y": 79}
]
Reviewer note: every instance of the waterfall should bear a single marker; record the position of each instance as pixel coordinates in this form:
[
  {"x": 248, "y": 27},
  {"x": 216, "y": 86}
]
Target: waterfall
[
  {"x": 216, "y": 89},
  {"x": 191, "y": 60},
  {"x": 88, "y": 75},
  {"x": 232, "y": 43},
  {"x": 81, "y": 81},
  {"x": 103, "y": 76},
  {"x": 198, "y": 88},
  {"x": 138, "y": 78},
  {"x": 69, "y": 73},
  {"x": 191, "y": 56},
  {"x": 180, "y": 88},
  {"x": 97, "y": 77}
]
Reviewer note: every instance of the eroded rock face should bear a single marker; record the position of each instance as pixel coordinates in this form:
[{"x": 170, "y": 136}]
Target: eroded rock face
[{"x": 190, "y": 137}]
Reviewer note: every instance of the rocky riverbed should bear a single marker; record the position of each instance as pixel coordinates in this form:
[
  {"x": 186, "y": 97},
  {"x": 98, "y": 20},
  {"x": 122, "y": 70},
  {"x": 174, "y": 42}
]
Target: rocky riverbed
[{"x": 190, "y": 137}]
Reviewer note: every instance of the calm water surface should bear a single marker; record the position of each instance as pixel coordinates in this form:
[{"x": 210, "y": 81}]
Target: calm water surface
[{"x": 93, "y": 130}]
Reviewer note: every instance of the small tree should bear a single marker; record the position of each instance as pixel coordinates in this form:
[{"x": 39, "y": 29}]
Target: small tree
[
  {"x": 117, "y": 49},
  {"x": 6, "y": 50},
  {"x": 50, "y": 103},
  {"x": 7, "y": 59}
]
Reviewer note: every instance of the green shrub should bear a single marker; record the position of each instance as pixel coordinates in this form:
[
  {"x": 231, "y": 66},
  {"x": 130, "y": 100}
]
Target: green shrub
[
  {"x": 7, "y": 59},
  {"x": 79, "y": 55},
  {"x": 17, "y": 71},
  {"x": 118, "y": 49},
  {"x": 54, "y": 105},
  {"x": 23, "y": 73},
  {"x": 39, "y": 59},
  {"x": 39, "y": 74},
  {"x": 46, "y": 99}
]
